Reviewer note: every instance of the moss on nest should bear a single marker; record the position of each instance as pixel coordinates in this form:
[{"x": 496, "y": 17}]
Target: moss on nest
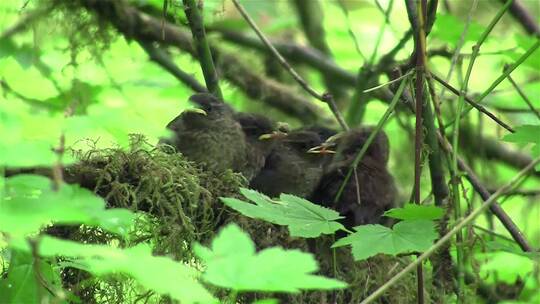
[{"x": 179, "y": 204}]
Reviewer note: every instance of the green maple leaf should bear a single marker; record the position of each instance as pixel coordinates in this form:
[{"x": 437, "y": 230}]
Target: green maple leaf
[
  {"x": 160, "y": 274},
  {"x": 232, "y": 262},
  {"x": 416, "y": 212},
  {"x": 303, "y": 218},
  {"x": 31, "y": 204},
  {"x": 405, "y": 236}
]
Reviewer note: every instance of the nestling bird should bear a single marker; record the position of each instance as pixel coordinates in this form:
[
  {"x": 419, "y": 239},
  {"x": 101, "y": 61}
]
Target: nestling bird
[
  {"x": 211, "y": 137},
  {"x": 323, "y": 132},
  {"x": 261, "y": 134},
  {"x": 376, "y": 191},
  {"x": 291, "y": 167}
]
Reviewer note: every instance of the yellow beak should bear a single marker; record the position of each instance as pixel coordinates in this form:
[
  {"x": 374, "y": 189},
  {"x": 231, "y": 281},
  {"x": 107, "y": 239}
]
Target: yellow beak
[{"x": 196, "y": 110}]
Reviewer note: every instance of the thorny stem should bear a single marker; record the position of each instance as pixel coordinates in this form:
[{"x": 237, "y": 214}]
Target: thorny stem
[
  {"x": 417, "y": 23},
  {"x": 459, "y": 225}
]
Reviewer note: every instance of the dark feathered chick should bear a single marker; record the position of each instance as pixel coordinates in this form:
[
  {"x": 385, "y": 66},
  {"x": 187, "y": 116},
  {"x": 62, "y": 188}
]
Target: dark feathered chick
[
  {"x": 323, "y": 132},
  {"x": 291, "y": 167},
  {"x": 376, "y": 191},
  {"x": 261, "y": 136},
  {"x": 211, "y": 137}
]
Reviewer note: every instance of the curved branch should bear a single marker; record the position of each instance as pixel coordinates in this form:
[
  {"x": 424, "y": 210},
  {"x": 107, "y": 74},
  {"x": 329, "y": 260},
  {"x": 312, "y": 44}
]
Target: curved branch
[
  {"x": 134, "y": 24},
  {"x": 161, "y": 58}
]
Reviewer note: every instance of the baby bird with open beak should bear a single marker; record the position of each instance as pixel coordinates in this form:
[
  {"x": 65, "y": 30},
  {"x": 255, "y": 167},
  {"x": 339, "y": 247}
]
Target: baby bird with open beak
[
  {"x": 209, "y": 135},
  {"x": 292, "y": 166},
  {"x": 376, "y": 191}
]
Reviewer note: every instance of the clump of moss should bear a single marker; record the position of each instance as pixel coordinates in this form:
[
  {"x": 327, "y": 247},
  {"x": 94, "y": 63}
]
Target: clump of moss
[{"x": 179, "y": 205}]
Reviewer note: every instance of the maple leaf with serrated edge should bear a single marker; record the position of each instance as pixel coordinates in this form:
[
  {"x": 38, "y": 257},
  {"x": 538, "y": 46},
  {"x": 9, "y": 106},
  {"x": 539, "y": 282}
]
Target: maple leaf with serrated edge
[
  {"x": 302, "y": 217},
  {"x": 415, "y": 212},
  {"x": 231, "y": 262},
  {"x": 405, "y": 236}
]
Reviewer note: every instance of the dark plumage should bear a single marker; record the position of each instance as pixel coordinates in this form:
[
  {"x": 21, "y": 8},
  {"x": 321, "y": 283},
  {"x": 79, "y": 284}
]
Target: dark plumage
[
  {"x": 214, "y": 139},
  {"x": 377, "y": 190},
  {"x": 323, "y": 132},
  {"x": 257, "y": 149},
  {"x": 289, "y": 168}
]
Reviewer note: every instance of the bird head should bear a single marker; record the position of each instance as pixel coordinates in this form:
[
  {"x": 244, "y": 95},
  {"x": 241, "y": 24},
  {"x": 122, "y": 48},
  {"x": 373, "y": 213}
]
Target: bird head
[
  {"x": 349, "y": 143},
  {"x": 306, "y": 142},
  {"x": 209, "y": 104}
]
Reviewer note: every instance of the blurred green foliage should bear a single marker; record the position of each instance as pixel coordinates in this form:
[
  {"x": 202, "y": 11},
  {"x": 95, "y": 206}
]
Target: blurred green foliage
[{"x": 115, "y": 90}]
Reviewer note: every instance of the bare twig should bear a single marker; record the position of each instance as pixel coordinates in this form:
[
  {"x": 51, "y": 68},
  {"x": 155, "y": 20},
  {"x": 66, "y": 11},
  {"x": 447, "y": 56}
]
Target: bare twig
[
  {"x": 325, "y": 97},
  {"x": 417, "y": 15},
  {"x": 134, "y": 24},
  {"x": 350, "y": 30},
  {"x": 311, "y": 17},
  {"x": 495, "y": 208},
  {"x": 24, "y": 22},
  {"x": 161, "y": 58},
  {"x": 473, "y": 103},
  {"x": 459, "y": 44},
  {"x": 522, "y": 15},
  {"x": 524, "y": 96},
  {"x": 460, "y": 225}
]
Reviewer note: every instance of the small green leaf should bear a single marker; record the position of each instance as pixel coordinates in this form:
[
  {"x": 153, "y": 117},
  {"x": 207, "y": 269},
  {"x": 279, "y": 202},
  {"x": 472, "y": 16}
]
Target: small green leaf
[
  {"x": 231, "y": 262},
  {"x": 160, "y": 274},
  {"x": 405, "y": 236},
  {"x": 416, "y": 212},
  {"x": 527, "y": 134},
  {"x": 303, "y": 218},
  {"x": 20, "y": 285},
  {"x": 449, "y": 28},
  {"x": 31, "y": 203}
]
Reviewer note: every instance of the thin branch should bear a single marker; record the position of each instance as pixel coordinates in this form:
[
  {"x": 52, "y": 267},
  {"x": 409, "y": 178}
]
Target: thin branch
[
  {"x": 510, "y": 69},
  {"x": 506, "y": 73},
  {"x": 311, "y": 17},
  {"x": 161, "y": 58},
  {"x": 325, "y": 97},
  {"x": 294, "y": 53},
  {"x": 460, "y": 225},
  {"x": 203, "y": 48},
  {"x": 522, "y": 15},
  {"x": 524, "y": 96},
  {"x": 350, "y": 30},
  {"x": 24, "y": 22},
  {"x": 473, "y": 103},
  {"x": 459, "y": 44},
  {"x": 523, "y": 192},
  {"x": 495, "y": 208},
  {"x": 494, "y": 149},
  {"x": 133, "y": 23},
  {"x": 417, "y": 15}
]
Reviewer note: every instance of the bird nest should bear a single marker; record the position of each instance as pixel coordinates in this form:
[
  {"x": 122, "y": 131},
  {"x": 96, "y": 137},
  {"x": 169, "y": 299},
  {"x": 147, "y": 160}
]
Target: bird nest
[{"x": 179, "y": 204}]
